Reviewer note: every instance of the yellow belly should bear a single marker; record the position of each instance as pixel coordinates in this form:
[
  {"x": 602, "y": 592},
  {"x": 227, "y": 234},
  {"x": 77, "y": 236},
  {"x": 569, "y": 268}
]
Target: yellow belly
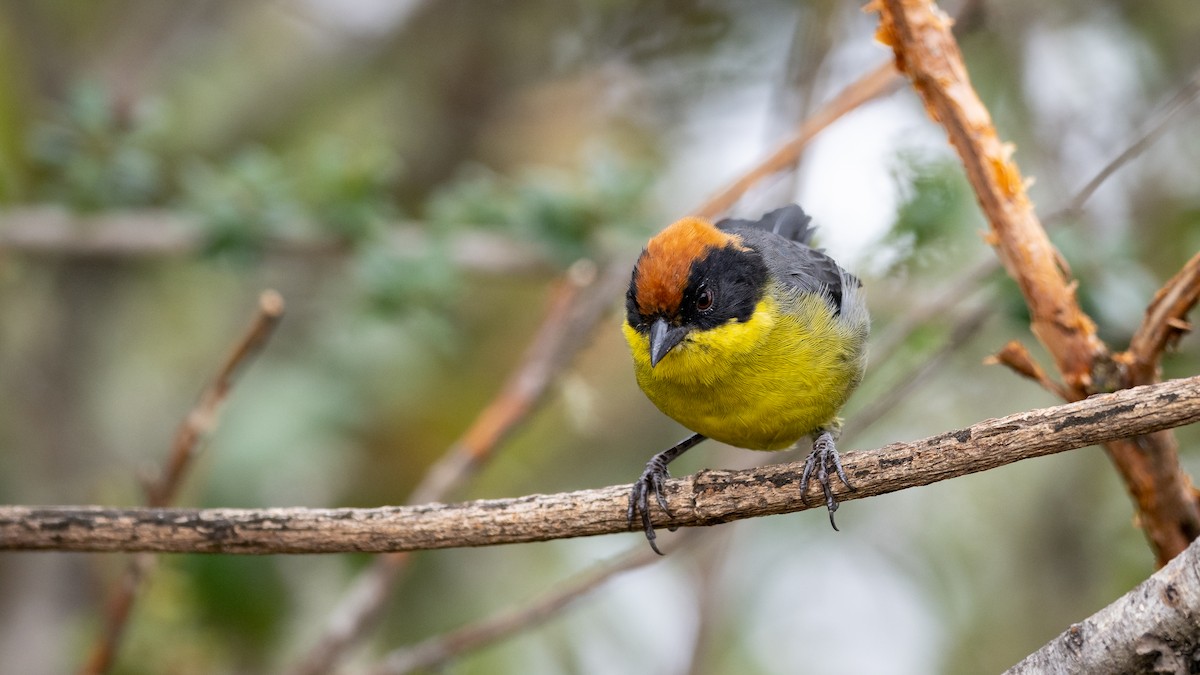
[{"x": 760, "y": 384}]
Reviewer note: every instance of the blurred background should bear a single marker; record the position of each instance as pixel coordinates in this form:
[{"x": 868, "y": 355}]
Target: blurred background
[{"x": 413, "y": 178}]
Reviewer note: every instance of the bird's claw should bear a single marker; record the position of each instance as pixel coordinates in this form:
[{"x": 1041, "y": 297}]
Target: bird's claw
[
  {"x": 824, "y": 454},
  {"x": 651, "y": 482}
]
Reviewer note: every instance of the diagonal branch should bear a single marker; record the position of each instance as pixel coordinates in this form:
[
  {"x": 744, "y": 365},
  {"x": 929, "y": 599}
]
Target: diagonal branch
[
  {"x": 162, "y": 492},
  {"x": 202, "y": 418},
  {"x": 925, "y": 49},
  {"x": 927, "y": 52},
  {"x": 706, "y": 498},
  {"x": 434, "y": 652},
  {"x": 1169, "y": 112},
  {"x": 881, "y": 81},
  {"x": 1151, "y": 629}
]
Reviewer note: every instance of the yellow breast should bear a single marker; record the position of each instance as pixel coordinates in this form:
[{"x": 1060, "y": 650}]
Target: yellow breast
[{"x": 762, "y": 383}]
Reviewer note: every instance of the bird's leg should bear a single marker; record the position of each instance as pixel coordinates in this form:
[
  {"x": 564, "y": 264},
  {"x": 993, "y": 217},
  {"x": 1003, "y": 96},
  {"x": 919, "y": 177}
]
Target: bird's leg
[
  {"x": 823, "y": 454},
  {"x": 652, "y": 480}
]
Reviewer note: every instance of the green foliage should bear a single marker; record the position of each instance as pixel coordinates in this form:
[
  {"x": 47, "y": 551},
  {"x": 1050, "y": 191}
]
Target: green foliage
[
  {"x": 931, "y": 221},
  {"x": 328, "y": 193},
  {"x": 91, "y": 158},
  {"x": 259, "y": 196},
  {"x": 349, "y": 191},
  {"x": 393, "y": 282},
  {"x": 244, "y": 203}
]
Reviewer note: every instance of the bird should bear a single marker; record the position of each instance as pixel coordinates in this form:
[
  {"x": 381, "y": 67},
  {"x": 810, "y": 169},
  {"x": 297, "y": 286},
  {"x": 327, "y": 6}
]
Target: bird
[{"x": 744, "y": 333}]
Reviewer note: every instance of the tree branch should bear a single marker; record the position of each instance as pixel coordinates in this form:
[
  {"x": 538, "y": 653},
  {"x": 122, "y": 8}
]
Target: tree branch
[
  {"x": 1151, "y": 629},
  {"x": 54, "y": 231},
  {"x": 195, "y": 426},
  {"x": 707, "y": 498},
  {"x": 437, "y": 650},
  {"x": 1017, "y": 358},
  {"x": 925, "y": 49}
]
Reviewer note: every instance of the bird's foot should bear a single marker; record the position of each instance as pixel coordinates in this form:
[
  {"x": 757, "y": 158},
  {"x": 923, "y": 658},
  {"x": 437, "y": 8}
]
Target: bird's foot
[
  {"x": 653, "y": 478},
  {"x": 824, "y": 455}
]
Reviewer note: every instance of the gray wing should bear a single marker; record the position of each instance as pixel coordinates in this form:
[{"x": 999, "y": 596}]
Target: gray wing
[
  {"x": 789, "y": 222},
  {"x": 782, "y": 237}
]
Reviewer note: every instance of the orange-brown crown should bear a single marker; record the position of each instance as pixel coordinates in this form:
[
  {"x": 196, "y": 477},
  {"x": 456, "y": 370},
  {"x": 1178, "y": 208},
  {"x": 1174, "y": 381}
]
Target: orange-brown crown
[{"x": 663, "y": 269}]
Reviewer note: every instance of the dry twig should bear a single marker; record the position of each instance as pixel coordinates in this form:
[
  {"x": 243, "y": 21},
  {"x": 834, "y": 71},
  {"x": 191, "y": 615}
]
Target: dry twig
[
  {"x": 437, "y": 650},
  {"x": 195, "y": 426},
  {"x": 707, "y": 498},
  {"x": 1155, "y": 128},
  {"x": 925, "y": 49}
]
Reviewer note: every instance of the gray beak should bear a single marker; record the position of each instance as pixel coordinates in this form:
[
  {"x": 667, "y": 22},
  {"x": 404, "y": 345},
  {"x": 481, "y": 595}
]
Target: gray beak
[{"x": 663, "y": 337}]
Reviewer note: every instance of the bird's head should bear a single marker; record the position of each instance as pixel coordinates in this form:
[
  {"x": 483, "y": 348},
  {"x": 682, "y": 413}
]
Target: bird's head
[{"x": 692, "y": 277}]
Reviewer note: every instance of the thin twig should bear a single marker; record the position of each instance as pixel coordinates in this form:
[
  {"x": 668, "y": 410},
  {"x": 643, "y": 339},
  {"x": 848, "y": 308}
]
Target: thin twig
[
  {"x": 438, "y": 650},
  {"x": 195, "y": 426},
  {"x": 706, "y": 498},
  {"x": 203, "y": 418},
  {"x": 1154, "y": 129},
  {"x": 879, "y": 82}
]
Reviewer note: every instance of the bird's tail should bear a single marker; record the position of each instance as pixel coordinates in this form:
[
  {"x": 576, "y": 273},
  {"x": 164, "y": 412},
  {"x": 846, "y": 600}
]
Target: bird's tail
[{"x": 789, "y": 222}]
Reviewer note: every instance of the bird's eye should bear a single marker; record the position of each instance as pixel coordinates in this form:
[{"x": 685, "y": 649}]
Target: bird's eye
[{"x": 704, "y": 299}]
